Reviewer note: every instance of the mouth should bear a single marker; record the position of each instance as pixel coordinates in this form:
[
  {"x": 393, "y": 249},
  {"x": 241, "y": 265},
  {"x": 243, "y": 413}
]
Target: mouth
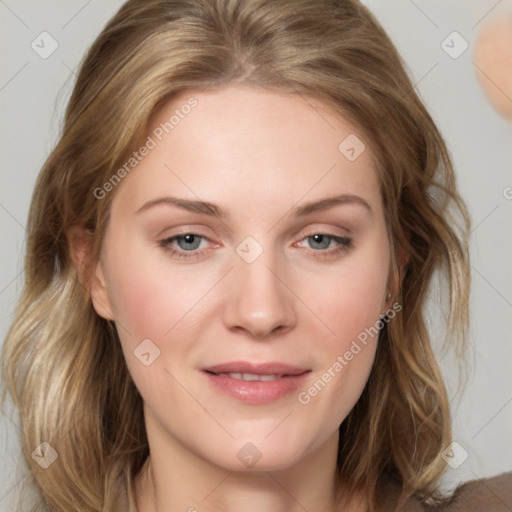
[
  {"x": 251, "y": 377},
  {"x": 256, "y": 384}
]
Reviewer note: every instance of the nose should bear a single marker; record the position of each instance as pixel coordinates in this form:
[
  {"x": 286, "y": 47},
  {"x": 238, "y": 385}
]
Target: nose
[{"x": 259, "y": 301}]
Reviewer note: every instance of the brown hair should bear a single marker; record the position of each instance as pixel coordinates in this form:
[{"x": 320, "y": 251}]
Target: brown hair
[{"x": 63, "y": 364}]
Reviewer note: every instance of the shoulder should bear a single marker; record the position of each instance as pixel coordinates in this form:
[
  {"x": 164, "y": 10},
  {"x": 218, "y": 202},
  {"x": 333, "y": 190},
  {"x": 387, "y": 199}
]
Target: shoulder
[{"x": 492, "y": 494}]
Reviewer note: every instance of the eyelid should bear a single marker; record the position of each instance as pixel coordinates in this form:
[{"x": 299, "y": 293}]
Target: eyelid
[
  {"x": 183, "y": 229},
  {"x": 315, "y": 230},
  {"x": 331, "y": 228},
  {"x": 184, "y": 233}
]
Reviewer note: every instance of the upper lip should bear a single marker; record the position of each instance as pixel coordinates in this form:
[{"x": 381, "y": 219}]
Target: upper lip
[{"x": 270, "y": 368}]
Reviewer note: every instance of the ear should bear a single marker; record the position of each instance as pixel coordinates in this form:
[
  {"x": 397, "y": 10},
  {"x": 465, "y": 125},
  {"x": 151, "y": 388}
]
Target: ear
[{"x": 80, "y": 244}]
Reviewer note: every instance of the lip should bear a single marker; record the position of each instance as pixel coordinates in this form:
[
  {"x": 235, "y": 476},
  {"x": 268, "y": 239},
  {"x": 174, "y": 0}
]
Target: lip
[
  {"x": 269, "y": 368},
  {"x": 256, "y": 392}
]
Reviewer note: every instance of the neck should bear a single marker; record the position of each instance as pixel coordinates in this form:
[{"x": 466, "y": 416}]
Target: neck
[{"x": 176, "y": 478}]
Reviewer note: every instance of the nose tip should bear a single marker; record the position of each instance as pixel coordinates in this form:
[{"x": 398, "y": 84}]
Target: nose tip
[
  {"x": 259, "y": 303},
  {"x": 260, "y": 330}
]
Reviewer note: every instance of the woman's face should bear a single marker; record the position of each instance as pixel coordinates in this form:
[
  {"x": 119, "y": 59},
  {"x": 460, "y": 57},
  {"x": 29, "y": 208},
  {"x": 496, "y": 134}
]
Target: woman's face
[{"x": 282, "y": 276}]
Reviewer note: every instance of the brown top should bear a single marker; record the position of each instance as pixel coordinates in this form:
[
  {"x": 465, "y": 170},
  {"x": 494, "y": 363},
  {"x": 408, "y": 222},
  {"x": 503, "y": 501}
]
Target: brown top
[
  {"x": 492, "y": 494},
  {"x": 485, "y": 495}
]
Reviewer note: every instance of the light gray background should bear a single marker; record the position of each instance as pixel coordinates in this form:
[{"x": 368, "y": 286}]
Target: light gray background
[{"x": 33, "y": 93}]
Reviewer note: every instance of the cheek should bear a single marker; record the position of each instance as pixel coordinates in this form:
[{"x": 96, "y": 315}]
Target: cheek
[
  {"x": 148, "y": 295},
  {"x": 150, "y": 302},
  {"x": 349, "y": 303},
  {"x": 352, "y": 297},
  {"x": 137, "y": 301},
  {"x": 351, "y": 310}
]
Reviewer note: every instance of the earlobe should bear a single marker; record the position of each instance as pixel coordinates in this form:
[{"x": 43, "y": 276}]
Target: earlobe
[{"x": 80, "y": 244}]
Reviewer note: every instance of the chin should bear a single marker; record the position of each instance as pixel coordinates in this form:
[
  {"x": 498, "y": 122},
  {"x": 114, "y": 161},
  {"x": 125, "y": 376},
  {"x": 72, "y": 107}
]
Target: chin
[
  {"x": 273, "y": 462},
  {"x": 256, "y": 455}
]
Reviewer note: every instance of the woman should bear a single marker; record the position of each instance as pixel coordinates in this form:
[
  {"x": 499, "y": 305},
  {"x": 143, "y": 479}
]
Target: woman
[{"x": 229, "y": 254}]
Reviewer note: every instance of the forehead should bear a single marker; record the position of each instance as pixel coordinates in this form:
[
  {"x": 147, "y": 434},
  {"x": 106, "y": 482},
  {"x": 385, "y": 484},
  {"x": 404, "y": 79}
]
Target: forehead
[{"x": 257, "y": 146}]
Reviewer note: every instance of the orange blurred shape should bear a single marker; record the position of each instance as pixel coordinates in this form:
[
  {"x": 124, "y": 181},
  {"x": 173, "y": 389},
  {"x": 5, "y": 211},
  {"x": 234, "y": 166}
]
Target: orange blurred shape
[{"x": 493, "y": 59}]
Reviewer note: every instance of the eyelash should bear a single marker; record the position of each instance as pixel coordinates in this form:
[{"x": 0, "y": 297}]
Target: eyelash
[{"x": 345, "y": 245}]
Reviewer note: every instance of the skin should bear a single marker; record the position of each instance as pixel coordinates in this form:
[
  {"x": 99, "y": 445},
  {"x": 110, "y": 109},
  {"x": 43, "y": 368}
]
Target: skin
[
  {"x": 258, "y": 154},
  {"x": 493, "y": 59}
]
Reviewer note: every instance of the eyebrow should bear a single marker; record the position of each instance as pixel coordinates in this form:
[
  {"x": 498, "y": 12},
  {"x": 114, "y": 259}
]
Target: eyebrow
[{"x": 208, "y": 208}]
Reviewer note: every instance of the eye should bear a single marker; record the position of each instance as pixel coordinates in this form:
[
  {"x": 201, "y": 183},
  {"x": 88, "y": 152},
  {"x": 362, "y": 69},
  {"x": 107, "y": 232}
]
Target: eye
[
  {"x": 188, "y": 243},
  {"x": 322, "y": 241}
]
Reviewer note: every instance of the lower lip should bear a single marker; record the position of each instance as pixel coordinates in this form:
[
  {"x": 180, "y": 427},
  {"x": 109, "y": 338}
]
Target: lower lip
[{"x": 257, "y": 392}]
